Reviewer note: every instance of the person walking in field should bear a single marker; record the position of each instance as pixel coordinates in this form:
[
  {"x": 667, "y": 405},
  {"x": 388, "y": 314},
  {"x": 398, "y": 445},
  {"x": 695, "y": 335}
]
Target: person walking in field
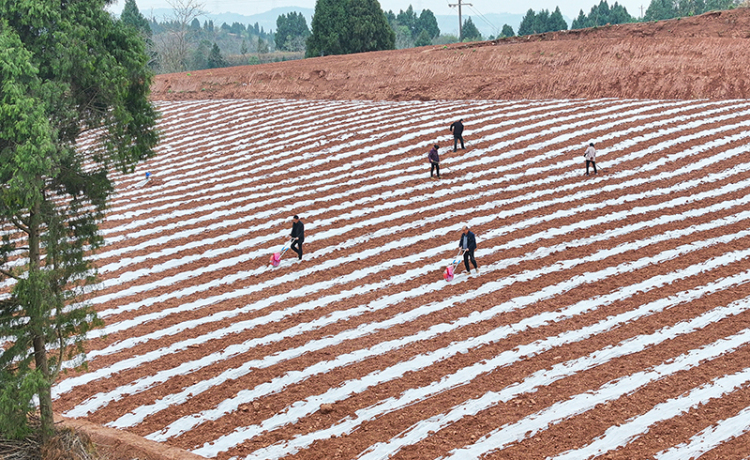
[
  {"x": 468, "y": 243},
  {"x": 434, "y": 160},
  {"x": 457, "y": 128},
  {"x": 590, "y": 156},
  {"x": 298, "y": 236}
]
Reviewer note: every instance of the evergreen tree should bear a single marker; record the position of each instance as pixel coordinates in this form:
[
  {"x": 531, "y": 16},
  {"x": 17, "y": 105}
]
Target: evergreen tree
[
  {"x": 262, "y": 46},
  {"x": 410, "y": 20},
  {"x": 403, "y": 37},
  {"x": 327, "y": 29},
  {"x": 408, "y": 27},
  {"x": 391, "y": 17},
  {"x": 579, "y": 22},
  {"x": 602, "y": 14},
  {"x": 619, "y": 15},
  {"x": 659, "y": 10},
  {"x": 428, "y": 22},
  {"x": 132, "y": 17},
  {"x": 507, "y": 31},
  {"x": 369, "y": 29},
  {"x": 469, "y": 31},
  {"x": 423, "y": 39},
  {"x": 538, "y": 23},
  {"x": 236, "y": 28},
  {"x": 200, "y": 55},
  {"x": 63, "y": 70},
  {"x": 528, "y": 23},
  {"x": 290, "y": 28},
  {"x": 215, "y": 59},
  {"x": 349, "y": 26},
  {"x": 541, "y": 22},
  {"x": 716, "y": 5},
  {"x": 556, "y": 21}
]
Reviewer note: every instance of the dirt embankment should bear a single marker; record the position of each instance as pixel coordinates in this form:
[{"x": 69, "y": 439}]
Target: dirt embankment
[
  {"x": 699, "y": 57},
  {"x": 120, "y": 445}
]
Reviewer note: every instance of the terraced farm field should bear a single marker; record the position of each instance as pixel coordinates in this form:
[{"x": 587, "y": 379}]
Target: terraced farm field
[{"x": 611, "y": 317}]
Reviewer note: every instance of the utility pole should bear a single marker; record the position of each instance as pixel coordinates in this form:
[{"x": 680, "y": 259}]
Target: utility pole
[{"x": 460, "y": 24}]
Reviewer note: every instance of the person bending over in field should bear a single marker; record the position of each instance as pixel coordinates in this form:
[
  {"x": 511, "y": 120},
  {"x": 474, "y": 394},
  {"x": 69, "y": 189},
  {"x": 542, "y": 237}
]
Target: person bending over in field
[
  {"x": 298, "y": 236},
  {"x": 468, "y": 243},
  {"x": 590, "y": 156}
]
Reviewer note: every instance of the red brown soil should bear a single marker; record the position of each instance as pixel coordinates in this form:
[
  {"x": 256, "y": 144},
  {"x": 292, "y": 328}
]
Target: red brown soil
[
  {"x": 704, "y": 56},
  {"x": 120, "y": 445},
  {"x": 701, "y": 57},
  {"x": 188, "y": 140}
]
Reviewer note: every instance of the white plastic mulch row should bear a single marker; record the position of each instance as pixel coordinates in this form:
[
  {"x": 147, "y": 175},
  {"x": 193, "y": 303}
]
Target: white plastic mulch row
[
  {"x": 232, "y": 351},
  {"x": 253, "y": 243},
  {"x": 725, "y": 143},
  {"x": 538, "y": 205},
  {"x": 719, "y": 157},
  {"x": 433, "y": 267}
]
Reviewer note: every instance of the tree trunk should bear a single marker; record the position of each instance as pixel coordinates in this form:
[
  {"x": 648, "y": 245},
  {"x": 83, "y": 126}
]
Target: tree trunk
[
  {"x": 40, "y": 348},
  {"x": 45, "y": 393}
]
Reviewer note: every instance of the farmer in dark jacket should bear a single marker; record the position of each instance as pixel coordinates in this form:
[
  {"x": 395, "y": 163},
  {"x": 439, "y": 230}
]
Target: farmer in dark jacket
[
  {"x": 298, "y": 236},
  {"x": 468, "y": 244},
  {"x": 434, "y": 159},
  {"x": 457, "y": 128}
]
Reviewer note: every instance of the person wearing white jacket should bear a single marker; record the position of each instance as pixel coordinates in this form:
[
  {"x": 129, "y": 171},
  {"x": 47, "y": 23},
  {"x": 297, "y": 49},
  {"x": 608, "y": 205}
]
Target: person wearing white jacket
[{"x": 590, "y": 156}]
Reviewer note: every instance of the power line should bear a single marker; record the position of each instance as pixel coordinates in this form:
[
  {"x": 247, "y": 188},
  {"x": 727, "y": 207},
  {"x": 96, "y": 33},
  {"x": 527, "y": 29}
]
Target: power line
[
  {"x": 496, "y": 29},
  {"x": 460, "y": 25}
]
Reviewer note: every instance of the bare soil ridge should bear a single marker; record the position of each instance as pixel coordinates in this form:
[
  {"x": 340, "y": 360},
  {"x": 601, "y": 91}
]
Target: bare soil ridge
[
  {"x": 699, "y": 57},
  {"x": 121, "y": 445}
]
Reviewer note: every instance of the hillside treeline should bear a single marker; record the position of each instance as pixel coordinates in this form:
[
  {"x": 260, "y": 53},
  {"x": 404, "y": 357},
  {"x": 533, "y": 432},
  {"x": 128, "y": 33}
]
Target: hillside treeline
[{"x": 184, "y": 42}]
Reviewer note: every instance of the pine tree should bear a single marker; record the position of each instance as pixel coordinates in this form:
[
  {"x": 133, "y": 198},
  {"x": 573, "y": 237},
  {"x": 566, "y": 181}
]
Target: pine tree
[
  {"x": 368, "y": 27},
  {"x": 619, "y": 15},
  {"x": 290, "y": 27},
  {"x": 409, "y": 19},
  {"x": 63, "y": 70},
  {"x": 200, "y": 55},
  {"x": 428, "y": 22},
  {"x": 507, "y": 31},
  {"x": 349, "y": 26},
  {"x": 262, "y": 46},
  {"x": 132, "y": 17},
  {"x": 659, "y": 10},
  {"x": 215, "y": 59},
  {"x": 579, "y": 22},
  {"x": 423, "y": 39},
  {"x": 470, "y": 31},
  {"x": 528, "y": 21},
  {"x": 602, "y": 14},
  {"x": 327, "y": 29},
  {"x": 556, "y": 21}
]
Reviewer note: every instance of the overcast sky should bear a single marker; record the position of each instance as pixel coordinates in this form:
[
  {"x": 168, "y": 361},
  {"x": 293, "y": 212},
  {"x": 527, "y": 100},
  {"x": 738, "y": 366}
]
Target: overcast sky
[{"x": 569, "y": 8}]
